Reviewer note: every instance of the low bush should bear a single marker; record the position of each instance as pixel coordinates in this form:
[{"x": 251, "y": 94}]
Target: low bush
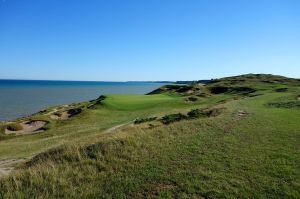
[
  {"x": 184, "y": 89},
  {"x": 235, "y": 90},
  {"x": 242, "y": 90},
  {"x": 218, "y": 89},
  {"x": 288, "y": 104},
  {"x": 167, "y": 119},
  {"x": 196, "y": 113},
  {"x": 192, "y": 99},
  {"x": 143, "y": 120},
  {"x": 74, "y": 111},
  {"x": 14, "y": 127},
  {"x": 193, "y": 114},
  {"x": 281, "y": 89}
]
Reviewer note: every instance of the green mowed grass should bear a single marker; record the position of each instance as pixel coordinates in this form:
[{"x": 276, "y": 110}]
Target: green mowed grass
[
  {"x": 135, "y": 102},
  {"x": 255, "y": 155}
]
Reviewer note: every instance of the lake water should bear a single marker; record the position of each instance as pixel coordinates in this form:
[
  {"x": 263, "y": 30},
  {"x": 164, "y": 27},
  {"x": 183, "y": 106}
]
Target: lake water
[{"x": 20, "y": 98}]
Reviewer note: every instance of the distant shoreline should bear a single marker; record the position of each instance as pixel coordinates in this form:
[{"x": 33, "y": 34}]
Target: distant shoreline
[{"x": 20, "y": 98}]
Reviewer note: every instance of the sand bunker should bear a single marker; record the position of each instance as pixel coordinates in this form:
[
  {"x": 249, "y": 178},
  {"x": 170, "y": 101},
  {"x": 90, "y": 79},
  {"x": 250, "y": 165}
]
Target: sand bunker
[
  {"x": 28, "y": 127},
  {"x": 66, "y": 114},
  {"x": 241, "y": 113},
  {"x": 298, "y": 98}
]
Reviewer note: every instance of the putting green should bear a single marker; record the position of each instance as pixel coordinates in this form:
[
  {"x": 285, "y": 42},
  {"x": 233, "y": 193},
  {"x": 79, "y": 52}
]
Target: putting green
[{"x": 135, "y": 102}]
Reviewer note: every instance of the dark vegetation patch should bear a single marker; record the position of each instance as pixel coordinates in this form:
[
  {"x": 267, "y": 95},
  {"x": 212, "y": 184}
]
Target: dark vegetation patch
[
  {"x": 203, "y": 95},
  {"x": 218, "y": 89},
  {"x": 193, "y": 114},
  {"x": 173, "y": 88},
  {"x": 14, "y": 127},
  {"x": 287, "y": 104},
  {"x": 192, "y": 99},
  {"x": 167, "y": 119},
  {"x": 73, "y": 112},
  {"x": 184, "y": 89},
  {"x": 143, "y": 120},
  {"x": 93, "y": 103},
  {"x": 281, "y": 89},
  {"x": 157, "y": 91},
  {"x": 254, "y": 94},
  {"x": 197, "y": 113},
  {"x": 242, "y": 90}
]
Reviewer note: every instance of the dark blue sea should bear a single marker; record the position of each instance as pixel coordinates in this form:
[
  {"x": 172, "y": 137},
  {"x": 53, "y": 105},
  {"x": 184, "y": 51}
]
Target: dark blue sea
[{"x": 20, "y": 98}]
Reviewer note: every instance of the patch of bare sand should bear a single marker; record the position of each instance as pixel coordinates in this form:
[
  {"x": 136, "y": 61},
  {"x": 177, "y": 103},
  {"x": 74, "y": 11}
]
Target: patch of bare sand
[
  {"x": 7, "y": 166},
  {"x": 60, "y": 116},
  {"x": 66, "y": 114},
  {"x": 241, "y": 113},
  {"x": 29, "y": 127}
]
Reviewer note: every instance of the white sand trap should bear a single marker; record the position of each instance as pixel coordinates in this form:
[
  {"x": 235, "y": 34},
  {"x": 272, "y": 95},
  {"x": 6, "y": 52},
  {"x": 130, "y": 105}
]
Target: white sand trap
[
  {"x": 66, "y": 114},
  {"x": 29, "y": 127},
  {"x": 62, "y": 116},
  {"x": 298, "y": 98}
]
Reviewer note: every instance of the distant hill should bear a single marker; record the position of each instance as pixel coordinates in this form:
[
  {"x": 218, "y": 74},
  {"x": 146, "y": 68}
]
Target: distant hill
[{"x": 242, "y": 84}]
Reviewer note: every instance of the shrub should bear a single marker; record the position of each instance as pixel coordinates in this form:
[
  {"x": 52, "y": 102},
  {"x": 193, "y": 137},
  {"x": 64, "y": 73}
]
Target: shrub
[
  {"x": 196, "y": 113},
  {"x": 193, "y": 114},
  {"x": 142, "y": 120},
  {"x": 218, "y": 89},
  {"x": 281, "y": 89},
  {"x": 288, "y": 104},
  {"x": 192, "y": 99},
  {"x": 167, "y": 119},
  {"x": 14, "y": 127},
  {"x": 242, "y": 90},
  {"x": 74, "y": 111},
  {"x": 184, "y": 89}
]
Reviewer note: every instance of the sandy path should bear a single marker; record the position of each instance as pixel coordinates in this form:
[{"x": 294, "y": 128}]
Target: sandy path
[
  {"x": 7, "y": 166},
  {"x": 112, "y": 129}
]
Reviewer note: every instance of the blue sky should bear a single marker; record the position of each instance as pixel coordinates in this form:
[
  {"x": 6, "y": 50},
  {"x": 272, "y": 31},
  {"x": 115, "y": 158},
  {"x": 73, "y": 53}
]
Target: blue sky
[{"x": 119, "y": 40}]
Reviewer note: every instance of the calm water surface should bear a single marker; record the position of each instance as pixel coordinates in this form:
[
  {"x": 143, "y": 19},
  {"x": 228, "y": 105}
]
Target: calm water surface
[{"x": 20, "y": 98}]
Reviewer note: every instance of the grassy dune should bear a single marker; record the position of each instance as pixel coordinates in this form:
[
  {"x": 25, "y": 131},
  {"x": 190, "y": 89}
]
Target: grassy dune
[{"x": 250, "y": 150}]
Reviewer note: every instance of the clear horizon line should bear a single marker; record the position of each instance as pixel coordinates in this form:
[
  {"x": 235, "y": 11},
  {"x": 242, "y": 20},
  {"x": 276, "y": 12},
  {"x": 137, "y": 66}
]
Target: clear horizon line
[{"x": 12, "y": 79}]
